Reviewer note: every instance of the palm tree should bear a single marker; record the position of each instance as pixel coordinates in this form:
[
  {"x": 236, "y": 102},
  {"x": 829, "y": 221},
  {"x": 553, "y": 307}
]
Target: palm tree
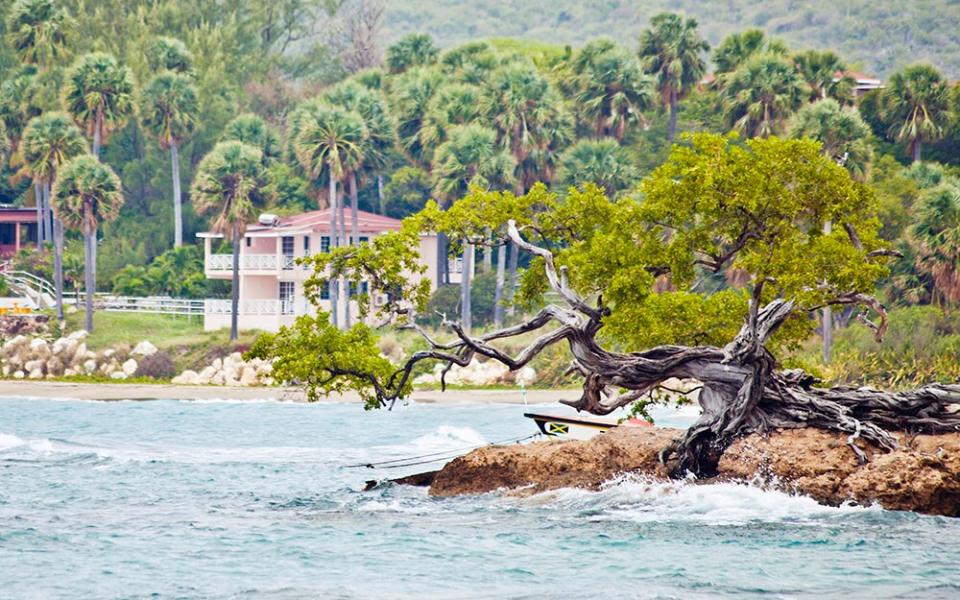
[
  {"x": 612, "y": 88},
  {"x": 845, "y": 138},
  {"x": 737, "y": 48},
  {"x": 413, "y": 50},
  {"x": 452, "y": 104},
  {"x": 672, "y": 51},
  {"x": 604, "y": 163},
  {"x": 471, "y": 157},
  {"x": 916, "y": 107},
  {"x": 168, "y": 109},
  {"x": 253, "y": 130},
  {"x": 98, "y": 93},
  {"x": 761, "y": 94},
  {"x": 228, "y": 186},
  {"x": 38, "y": 31},
  {"x": 50, "y": 141},
  {"x": 844, "y": 135},
  {"x": 826, "y": 75},
  {"x": 170, "y": 54},
  {"x": 331, "y": 139},
  {"x": 410, "y": 97},
  {"x": 87, "y": 193},
  {"x": 937, "y": 235}
]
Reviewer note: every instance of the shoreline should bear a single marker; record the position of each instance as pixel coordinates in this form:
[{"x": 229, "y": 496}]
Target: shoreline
[{"x": 138, "y": 391}]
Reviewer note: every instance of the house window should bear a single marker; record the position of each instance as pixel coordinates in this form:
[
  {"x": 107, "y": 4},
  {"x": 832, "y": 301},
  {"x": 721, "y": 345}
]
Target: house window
[
  {"x": 306, "y": 245},
  {"x": 325, "y": 244},
  {"x": 364, "y": 288},
  {"x": 287, "y": 245},
  {"x": 325, "y": 290},
  {"x": 286, "y": 297},
  {"x": 249, "y": 241},
  {"x": 364, "y": 239}
]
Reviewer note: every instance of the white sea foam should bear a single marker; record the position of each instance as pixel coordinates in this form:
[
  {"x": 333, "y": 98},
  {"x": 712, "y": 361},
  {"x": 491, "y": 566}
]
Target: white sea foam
[
  {"x": 8, "y": 440},
  {"x": 640, "y": 500}
]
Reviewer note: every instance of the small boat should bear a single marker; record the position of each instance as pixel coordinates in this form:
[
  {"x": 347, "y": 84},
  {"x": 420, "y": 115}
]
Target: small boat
[{"x": 576, "y": 427}]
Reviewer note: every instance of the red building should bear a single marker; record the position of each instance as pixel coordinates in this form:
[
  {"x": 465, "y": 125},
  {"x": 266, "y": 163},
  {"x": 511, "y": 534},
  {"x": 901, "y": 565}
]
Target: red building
[{"x": 18, "y": 229}]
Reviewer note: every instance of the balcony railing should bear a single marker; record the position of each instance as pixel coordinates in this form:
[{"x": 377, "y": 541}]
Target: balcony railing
[
  {"x": 248, "y": 262},
  {"x": 297, "y": 306}
]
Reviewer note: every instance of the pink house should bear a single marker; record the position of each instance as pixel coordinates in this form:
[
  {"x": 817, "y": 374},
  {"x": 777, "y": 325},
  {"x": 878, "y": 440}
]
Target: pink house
[{"x": 271, "y": 282}]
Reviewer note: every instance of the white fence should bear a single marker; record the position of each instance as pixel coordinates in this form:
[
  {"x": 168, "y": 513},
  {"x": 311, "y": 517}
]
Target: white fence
[
  {"x": 250, "y": 262},
  {"x": 257, "y": 307},
  {"x": 151, "y": 304}
]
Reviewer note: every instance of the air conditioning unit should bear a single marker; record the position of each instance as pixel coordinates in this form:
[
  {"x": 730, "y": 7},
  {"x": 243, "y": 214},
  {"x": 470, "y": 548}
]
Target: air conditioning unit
[{"x": 269, "y": 220}]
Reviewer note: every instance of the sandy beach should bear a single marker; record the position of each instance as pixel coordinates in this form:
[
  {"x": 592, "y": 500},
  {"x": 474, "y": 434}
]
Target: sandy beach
[{"x": 122, "y": 391}]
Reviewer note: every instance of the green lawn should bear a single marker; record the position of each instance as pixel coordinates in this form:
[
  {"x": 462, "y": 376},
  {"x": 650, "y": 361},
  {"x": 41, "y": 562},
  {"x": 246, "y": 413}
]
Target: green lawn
[{"x": 183, "y": 337}]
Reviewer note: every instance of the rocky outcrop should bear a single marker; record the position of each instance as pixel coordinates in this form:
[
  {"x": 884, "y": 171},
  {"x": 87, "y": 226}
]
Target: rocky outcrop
[
  {"x": 477, "y": 373},
  {"x": 232, "y": 371},
  {"x": 38, "y": 358},
  {"x": 923, "y": 475}
]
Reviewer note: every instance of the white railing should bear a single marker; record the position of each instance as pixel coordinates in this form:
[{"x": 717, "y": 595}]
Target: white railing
[
  {"x": 248, "y": 262},
  {"x": 289, "y": 261},
  {"x": 455, "y": 265},
  {"x": 269, "y": 307},
  {"x": 152, "y": 304}
]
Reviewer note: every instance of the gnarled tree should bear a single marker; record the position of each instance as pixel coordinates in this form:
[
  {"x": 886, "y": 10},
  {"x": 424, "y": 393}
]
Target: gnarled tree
[{"x": 627, "y": 276}]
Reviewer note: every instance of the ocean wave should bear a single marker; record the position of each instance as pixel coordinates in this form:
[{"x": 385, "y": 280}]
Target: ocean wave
[{"x": 642, "y": 500}]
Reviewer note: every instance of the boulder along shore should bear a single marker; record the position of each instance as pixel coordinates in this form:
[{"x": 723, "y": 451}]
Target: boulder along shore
[{"x": 923, "y": 475}]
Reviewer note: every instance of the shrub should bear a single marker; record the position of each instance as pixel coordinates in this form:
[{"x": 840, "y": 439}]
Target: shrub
[{"x": 158, "y": 365}]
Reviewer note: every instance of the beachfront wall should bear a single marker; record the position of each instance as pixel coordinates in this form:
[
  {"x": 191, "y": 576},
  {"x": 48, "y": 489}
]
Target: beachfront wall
[{"x": 271, "y": 280}]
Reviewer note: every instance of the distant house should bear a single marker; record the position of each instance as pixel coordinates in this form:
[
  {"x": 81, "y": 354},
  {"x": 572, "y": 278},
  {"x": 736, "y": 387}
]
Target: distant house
[
  {"x": 18, "y": 229},
  {"x": 271, "y": 282},
  {"x": 862, "y": 83}
]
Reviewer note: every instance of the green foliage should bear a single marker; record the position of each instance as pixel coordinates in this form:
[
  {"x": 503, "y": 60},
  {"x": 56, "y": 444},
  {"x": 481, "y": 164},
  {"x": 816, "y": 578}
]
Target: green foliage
[
  {"x": 413, "y": 50},
  {"x": 914, "y": 107},
  {"x": 761, "y": 94},
  {"x": 445, "y": 301},
  {"x": 178, "y": 272},
  {"x": 843, "y": 135},
  {"x": 407, "y": 192},
  {"x": 311, "y": 350},
  {"x": 168, "y": 108},
  {"x": 229, "y": 186},
  {"x": 672, "y": 50},
  {"x": 98, "y": 92},
  {"x": 603, "y": 163},
  {"x": 86, "y": 194}
]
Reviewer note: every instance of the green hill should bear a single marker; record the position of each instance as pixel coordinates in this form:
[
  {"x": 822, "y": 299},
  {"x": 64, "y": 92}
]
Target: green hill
[{"x": 877, "y": 36}]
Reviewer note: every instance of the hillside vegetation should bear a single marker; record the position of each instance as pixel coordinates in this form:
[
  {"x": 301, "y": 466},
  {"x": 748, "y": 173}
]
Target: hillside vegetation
[{"x": 878, "y": 35}]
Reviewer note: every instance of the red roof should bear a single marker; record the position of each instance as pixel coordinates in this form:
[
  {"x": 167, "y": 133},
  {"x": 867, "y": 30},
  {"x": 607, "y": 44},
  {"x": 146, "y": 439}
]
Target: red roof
[{"x": 319, "y": 221}]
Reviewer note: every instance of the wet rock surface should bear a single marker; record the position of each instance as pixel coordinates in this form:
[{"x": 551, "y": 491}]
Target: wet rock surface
[{"x": 923, "y": 475}]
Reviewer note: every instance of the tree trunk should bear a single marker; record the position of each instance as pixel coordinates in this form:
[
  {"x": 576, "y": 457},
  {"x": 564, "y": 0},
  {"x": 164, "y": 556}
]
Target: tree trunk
[
  {"x": 354, "y": 218},
  {"x": 917, "y": 150},
  {"x": 38, "y": 200},
  {"x": 512, "y": 281},
  {"x": 344, "y": 242},
  {"x": 235, "y": 288},
  {"x": 89, "y": 283},
  {"x": 383, "y": 204},
  {"x": 827, "y": 313},
  {"x": 466, "y": 316},
  {"x": 97, "y": 132},
  {"x": 498, "y": 290},
  {"x": 488, "y": 252},
  {"x": 443, "y": 261},
  {"x": 672, "y": 125},
  {"x": 177, "y": 206},
  {"x": 57, "y": 257},
  {"x": 332, "y": 281}
]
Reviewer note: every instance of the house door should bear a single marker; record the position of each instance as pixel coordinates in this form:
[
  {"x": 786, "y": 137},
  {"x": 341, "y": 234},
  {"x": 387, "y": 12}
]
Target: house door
[{"x": 287, "y": 247}]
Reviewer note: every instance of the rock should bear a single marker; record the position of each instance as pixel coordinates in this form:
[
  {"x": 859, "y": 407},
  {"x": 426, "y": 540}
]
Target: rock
[
  {"x": 217, "y": 364},
  {"x": 36, "y": 374},
  {"x": 59, "y": 346},
  {"x": 526, "y": 376},
  {"x": 81, "y": 351},
  {"x": 188, "y": 377},
  {"x": 33, "y": 365},
  {"x": 922, "y": 477},
  {"x": 118, "y": 375},
  {"x": 6, "y": 370},
  {"x": 249, "y": 377},
  {"x": 425, "y": 379},
  {"x": 144, "y": 348},
  {"x": 129, "y": 367},
  {"x": 69, "y": 372},
  {"x": 109, "y": 353},
  {"x": 235, "y": 358},
  {"x": 13, "y": 343},
  {"x": 18, "y": 375},
  {"x": 90, "y": 366},
  {"x": 217, "y": 378},
  {"x": 79, "y": 335},
  {"x": 54, "y": 366},
  {"x": 40, "y": 348}
]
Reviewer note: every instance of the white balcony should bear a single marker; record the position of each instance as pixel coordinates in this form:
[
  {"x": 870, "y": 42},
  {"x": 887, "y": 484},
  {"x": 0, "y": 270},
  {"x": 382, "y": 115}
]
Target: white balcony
[
  {"x": 267, "y": 307},
  {"x": 248, "y": 262}
]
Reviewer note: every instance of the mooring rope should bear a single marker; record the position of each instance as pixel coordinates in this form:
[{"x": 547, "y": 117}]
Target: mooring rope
[{"x": 443, "y": 455}]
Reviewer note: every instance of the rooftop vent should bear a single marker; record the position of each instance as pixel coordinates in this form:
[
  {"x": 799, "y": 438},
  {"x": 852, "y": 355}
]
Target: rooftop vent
[{"x": 269, "y": 220}]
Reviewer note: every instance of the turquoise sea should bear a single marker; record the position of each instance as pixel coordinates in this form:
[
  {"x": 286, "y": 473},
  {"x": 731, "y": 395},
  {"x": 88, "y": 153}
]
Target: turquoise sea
[{"x": 172, "y": 499}]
